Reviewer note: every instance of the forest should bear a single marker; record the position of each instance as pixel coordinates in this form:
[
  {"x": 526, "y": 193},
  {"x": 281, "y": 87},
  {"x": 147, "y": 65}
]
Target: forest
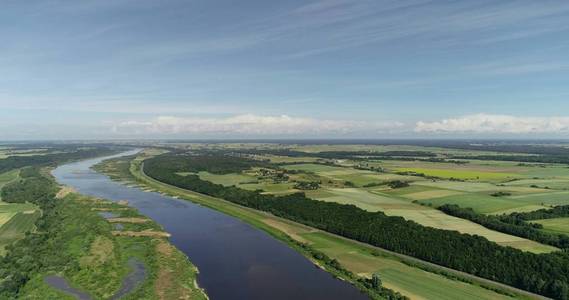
[{"x": 545, "y": 274}]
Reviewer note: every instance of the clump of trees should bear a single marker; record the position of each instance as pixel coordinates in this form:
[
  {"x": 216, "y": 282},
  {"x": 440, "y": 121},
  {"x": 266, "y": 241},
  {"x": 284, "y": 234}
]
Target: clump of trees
[
  {"x": 397, "y": 184},
  {"x": 31, "y": 187},
  {"x": 500, "y": 194},
  {"x": 307, "y": 185},
  {"x": 545, "y": 274}
]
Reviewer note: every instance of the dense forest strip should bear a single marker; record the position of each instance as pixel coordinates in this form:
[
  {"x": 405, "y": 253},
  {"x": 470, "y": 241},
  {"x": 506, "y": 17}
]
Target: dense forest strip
[
  {"x": 561, "y": 211},
  {"x": 509, "y": 225},
  {"x": 136, "y": 173},
  {"x": 545, "y": 274}
]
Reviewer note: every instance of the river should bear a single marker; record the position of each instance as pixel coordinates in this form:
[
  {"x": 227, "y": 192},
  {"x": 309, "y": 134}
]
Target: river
[{"x": 236, "y": 260}]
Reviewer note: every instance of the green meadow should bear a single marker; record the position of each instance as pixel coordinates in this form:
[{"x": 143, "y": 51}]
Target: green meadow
[
  {"x": 396, "y": 205},
  {"x": 556, "y": 225},
  {"x": 395, "y": 274}
]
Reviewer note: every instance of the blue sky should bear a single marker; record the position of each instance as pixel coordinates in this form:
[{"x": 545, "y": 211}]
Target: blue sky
[{"x": 324, "y": 68}]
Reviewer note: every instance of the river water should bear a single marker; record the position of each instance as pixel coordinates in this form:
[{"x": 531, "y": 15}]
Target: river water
[{"x": 236, "y": 261}]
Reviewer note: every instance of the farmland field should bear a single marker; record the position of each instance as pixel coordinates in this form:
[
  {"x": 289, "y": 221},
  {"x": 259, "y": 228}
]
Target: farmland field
[
  {"x": 418, "y": 201},
  {"x": 410, "y": 281},
  {"x": 16, "y": 227},
  {"x": 460, "y": 174},
  {"x": 426, "y": 216},
  {"x": 556, "y": 225}
]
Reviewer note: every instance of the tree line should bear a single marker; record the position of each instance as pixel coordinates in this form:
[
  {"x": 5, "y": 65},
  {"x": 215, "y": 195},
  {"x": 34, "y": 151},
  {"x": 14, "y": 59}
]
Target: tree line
[
  {"x": 561, "y": 211},
  {"x": 545, "y": 274}
]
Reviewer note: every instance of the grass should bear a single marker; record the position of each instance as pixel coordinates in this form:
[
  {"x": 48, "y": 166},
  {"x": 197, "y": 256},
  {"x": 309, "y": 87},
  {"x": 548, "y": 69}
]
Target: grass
[
  {"x": 336, "y": 247},
  {"x": 426, "y": 216},
  {"x": 556, "y": 225},
  {"x": 226, "y": 179},
  {"x": 410, "y": 281},
  {"x": 479, "y": 202},
  {"x": 460, "y": 174}
]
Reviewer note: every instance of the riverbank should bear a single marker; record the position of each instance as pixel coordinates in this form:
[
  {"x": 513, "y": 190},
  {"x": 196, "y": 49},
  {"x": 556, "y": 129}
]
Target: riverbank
[
  {"x": 409, "y": 276},
  {"x": 88, "y": 259}
]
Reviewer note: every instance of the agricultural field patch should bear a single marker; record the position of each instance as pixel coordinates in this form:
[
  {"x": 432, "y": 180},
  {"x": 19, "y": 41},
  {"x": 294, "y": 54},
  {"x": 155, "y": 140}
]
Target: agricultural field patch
[
  {"x": 227, "y": 179},
  {"x": 546, "y": 199},
  {"x": 16, "y": 227},
  {"x": 556, "y": 225},
  {"x": 406, "y": 190},
  {"x": 270, "y": 188},
  {"x": 431, "y": 194},
  {"x": 555, "y": 184},
  {"x": 475, "y": 187},
  {"x": 549, "y": 171},
  {"x": 460, "y": 174},
  {"x": 317, "y": 168},
  {"x": 9, "y": 210},
  {"x": 286, "y": 159},
  {"x": 408, "y": 280},
  {"x": 479, "y": 202},
  {"x": 426, "y": 216}
]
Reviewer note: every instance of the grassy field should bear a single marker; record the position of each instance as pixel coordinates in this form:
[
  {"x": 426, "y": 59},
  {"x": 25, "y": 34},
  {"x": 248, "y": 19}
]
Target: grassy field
[
  {"x": 397, "y": 272},
  {"x": 460, "y": 174},
  {"x": 410, "y": 281},
  {"x": 16, "y": 227},
  {"x": 556, "y": 225}
]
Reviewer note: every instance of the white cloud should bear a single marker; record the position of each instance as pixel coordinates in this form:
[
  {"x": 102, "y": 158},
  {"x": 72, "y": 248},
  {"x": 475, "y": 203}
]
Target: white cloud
[
  {"x": 487, "y": 123},
  {"x": 251, "y": 125}
]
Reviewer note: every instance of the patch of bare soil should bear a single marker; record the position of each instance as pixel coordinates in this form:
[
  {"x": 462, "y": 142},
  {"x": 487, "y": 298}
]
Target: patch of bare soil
[
  {"x": 145, "y": 233},
  {"x": 128, "y": 220}
]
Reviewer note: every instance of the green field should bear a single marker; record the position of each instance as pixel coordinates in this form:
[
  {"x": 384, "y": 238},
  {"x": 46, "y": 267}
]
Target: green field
[
  {"x": 460, "y": 174},
  {"x": 424, "y": 215},
  {"x": 556, "y": 225},
  {"x": 16, "y": 227},
  {"x": 227, "y": 179},
  {"x": 410, "y": 281}
]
